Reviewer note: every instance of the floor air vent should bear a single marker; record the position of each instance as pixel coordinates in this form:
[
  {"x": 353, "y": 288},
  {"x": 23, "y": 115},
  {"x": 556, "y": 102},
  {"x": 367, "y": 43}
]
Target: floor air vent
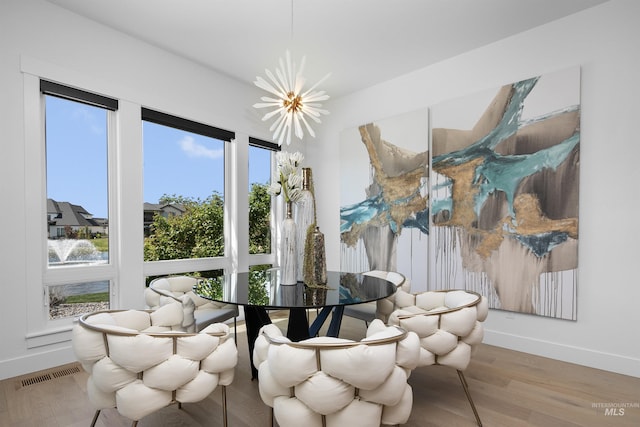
[
  {"x": 66, "y": 371},
  {"x": 47, "y": 376},
  {"x": 35, "y": 380}
]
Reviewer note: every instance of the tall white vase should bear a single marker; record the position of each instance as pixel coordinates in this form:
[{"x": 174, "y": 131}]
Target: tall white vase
[
  {"x": 288, "y": 249},
  {"x": 304, "y": 218}
]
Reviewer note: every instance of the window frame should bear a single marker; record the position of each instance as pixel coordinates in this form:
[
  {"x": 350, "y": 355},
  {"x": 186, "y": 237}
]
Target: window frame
[
  {"x": 100, "y": 272},
  {"x": 39, "y": 324},
  {"x": 163, "y": 267},
  {"x": 271, "y": 257}
]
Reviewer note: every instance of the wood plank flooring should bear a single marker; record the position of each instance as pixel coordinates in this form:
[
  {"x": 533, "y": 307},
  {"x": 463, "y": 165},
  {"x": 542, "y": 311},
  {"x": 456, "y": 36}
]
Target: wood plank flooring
[{"x": 509, "y": 389}]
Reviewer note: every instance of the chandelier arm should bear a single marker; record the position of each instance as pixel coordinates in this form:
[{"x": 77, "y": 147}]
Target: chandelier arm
[
  {"x": 290, "y": 72},
  {"x": 263, "y": 105},
  {"x": 263, "y": 84},
  {"x": 315, "y": 107},
  {"x": 282, "y": 129},
  {"x": 316, "y": 96},
  {"x": 306, "y": 125},
  {"x": 289, "y": 133},
  {"x": 317, "y": 84},
  {"x": 278, "y": 124},
  {"x": 270, "y": 114},
  {"x": 298, "y": 127},
  {"x": 313, "y": 113},
  {"x": 278, "y": 84},
  {"x": 299, "y": 80},
  {"x": 314, "y": 118},
  {"x": 280, "y": 140},
  {"x": 267, "y": 104}
]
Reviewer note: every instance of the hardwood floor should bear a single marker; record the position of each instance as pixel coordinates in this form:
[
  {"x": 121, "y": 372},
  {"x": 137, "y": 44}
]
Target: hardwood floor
[{"x": 509, "y": 389}]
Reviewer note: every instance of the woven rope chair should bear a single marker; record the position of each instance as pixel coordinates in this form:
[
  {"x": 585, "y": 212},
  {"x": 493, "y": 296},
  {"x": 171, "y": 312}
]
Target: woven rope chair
[
  {"x": 334, "y": 382},
  {"x": 382, "y": 308},
  {"x": 139, "y": 361},
  {"x": 449, "y": 324},
  {"x": 198, "y": 312}
]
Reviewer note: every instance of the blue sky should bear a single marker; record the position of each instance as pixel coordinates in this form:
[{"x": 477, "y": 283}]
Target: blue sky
[{"x": 175, "y": 161}]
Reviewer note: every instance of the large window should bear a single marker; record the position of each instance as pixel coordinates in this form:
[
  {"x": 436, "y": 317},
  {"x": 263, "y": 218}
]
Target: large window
[
  {"x": 184, "y": 182},
  {"x": 121, "y": 199},
  {"x": 260, "y": 217},
  {"x": 77, "y": 133}
]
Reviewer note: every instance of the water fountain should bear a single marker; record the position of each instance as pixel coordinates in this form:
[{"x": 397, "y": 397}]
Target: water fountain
[
  {"x": 64, "y": 252},
  {"x": 73, "y": 251}
]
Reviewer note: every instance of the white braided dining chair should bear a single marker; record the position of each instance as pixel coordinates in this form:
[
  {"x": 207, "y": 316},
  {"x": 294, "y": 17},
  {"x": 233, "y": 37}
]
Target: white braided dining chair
[
  {"x": 449, "y": 324},
  {"x": 336, "y": 382},
  {"x": 139, "y": 361},
  {"x": 382, "y": 308},
  {"x": 198, "y": 312}
]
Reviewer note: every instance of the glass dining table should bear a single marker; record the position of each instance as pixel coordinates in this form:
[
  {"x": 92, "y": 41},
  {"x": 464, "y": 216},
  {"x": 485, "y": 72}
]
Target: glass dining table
[{"x": 261, "y": 291}]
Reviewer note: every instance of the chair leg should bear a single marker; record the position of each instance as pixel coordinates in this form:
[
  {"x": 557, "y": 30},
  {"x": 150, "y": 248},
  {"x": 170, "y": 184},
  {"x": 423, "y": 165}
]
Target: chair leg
[
  {"x": 135, "y": 423},
  {"x": 272, "y": 418},
  {"x": 224, "y": 406},
  {"x": 95, "y": 418},
  {"x": 235, "y": 330},
  {"x": 463, "y": 380}
]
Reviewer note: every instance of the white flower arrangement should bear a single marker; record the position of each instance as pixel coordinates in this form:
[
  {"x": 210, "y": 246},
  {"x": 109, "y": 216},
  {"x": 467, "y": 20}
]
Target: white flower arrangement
[{"x": 289, "y": 182}]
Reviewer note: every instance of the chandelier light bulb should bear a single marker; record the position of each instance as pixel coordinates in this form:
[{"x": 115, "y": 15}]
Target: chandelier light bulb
[{"x": 292, "y": 107}]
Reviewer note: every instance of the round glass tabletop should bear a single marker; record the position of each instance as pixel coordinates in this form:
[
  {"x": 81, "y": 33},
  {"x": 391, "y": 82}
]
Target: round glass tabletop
[{"x": 263, "y": 289}]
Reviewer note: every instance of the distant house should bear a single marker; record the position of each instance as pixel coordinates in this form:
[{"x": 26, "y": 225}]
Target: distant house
[
  {"x": 64, "y": 218},
  {"x": 163, "y": 209}
]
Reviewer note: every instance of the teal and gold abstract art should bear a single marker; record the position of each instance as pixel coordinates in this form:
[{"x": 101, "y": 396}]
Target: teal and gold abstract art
[{"x": 504, "y": 194}]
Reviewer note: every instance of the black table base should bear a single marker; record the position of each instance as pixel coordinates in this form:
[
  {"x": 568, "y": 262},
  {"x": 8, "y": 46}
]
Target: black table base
[
  {"x": 254, "y": 318},
  {"x": 298, "y": 328}
]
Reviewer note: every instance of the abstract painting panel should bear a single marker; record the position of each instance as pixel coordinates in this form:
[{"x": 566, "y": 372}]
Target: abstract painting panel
[
  {"x": 384, "y": 214},
  {"x": 504, "y": 194}
]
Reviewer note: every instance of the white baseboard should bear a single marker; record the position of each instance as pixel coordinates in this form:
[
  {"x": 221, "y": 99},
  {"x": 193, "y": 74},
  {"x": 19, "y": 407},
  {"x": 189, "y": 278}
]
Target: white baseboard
[
  {"x": 566, "y": 353},
  {"x": 37, "y": 362}
]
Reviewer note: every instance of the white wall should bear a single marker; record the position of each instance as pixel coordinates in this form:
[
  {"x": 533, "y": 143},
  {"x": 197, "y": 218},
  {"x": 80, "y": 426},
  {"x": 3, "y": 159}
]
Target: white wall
[
  {"x": 42, "y": 39},
  {"x": 604, "y": 42}
]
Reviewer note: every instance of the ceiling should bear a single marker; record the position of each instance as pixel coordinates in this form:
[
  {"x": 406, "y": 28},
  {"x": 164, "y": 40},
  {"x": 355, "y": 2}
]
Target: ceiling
[{"x": 361, "y": 42}]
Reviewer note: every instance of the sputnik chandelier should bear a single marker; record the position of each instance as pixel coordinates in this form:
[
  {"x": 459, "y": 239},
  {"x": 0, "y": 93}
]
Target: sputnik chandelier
[{"x": 292, "y": 107}]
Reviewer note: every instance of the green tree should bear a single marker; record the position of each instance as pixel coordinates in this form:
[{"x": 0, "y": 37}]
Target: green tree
[
  {"x": 176, "y": 199},
  {"x": 197, "y": 233},
  {"x": 259, "y": 219}
]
